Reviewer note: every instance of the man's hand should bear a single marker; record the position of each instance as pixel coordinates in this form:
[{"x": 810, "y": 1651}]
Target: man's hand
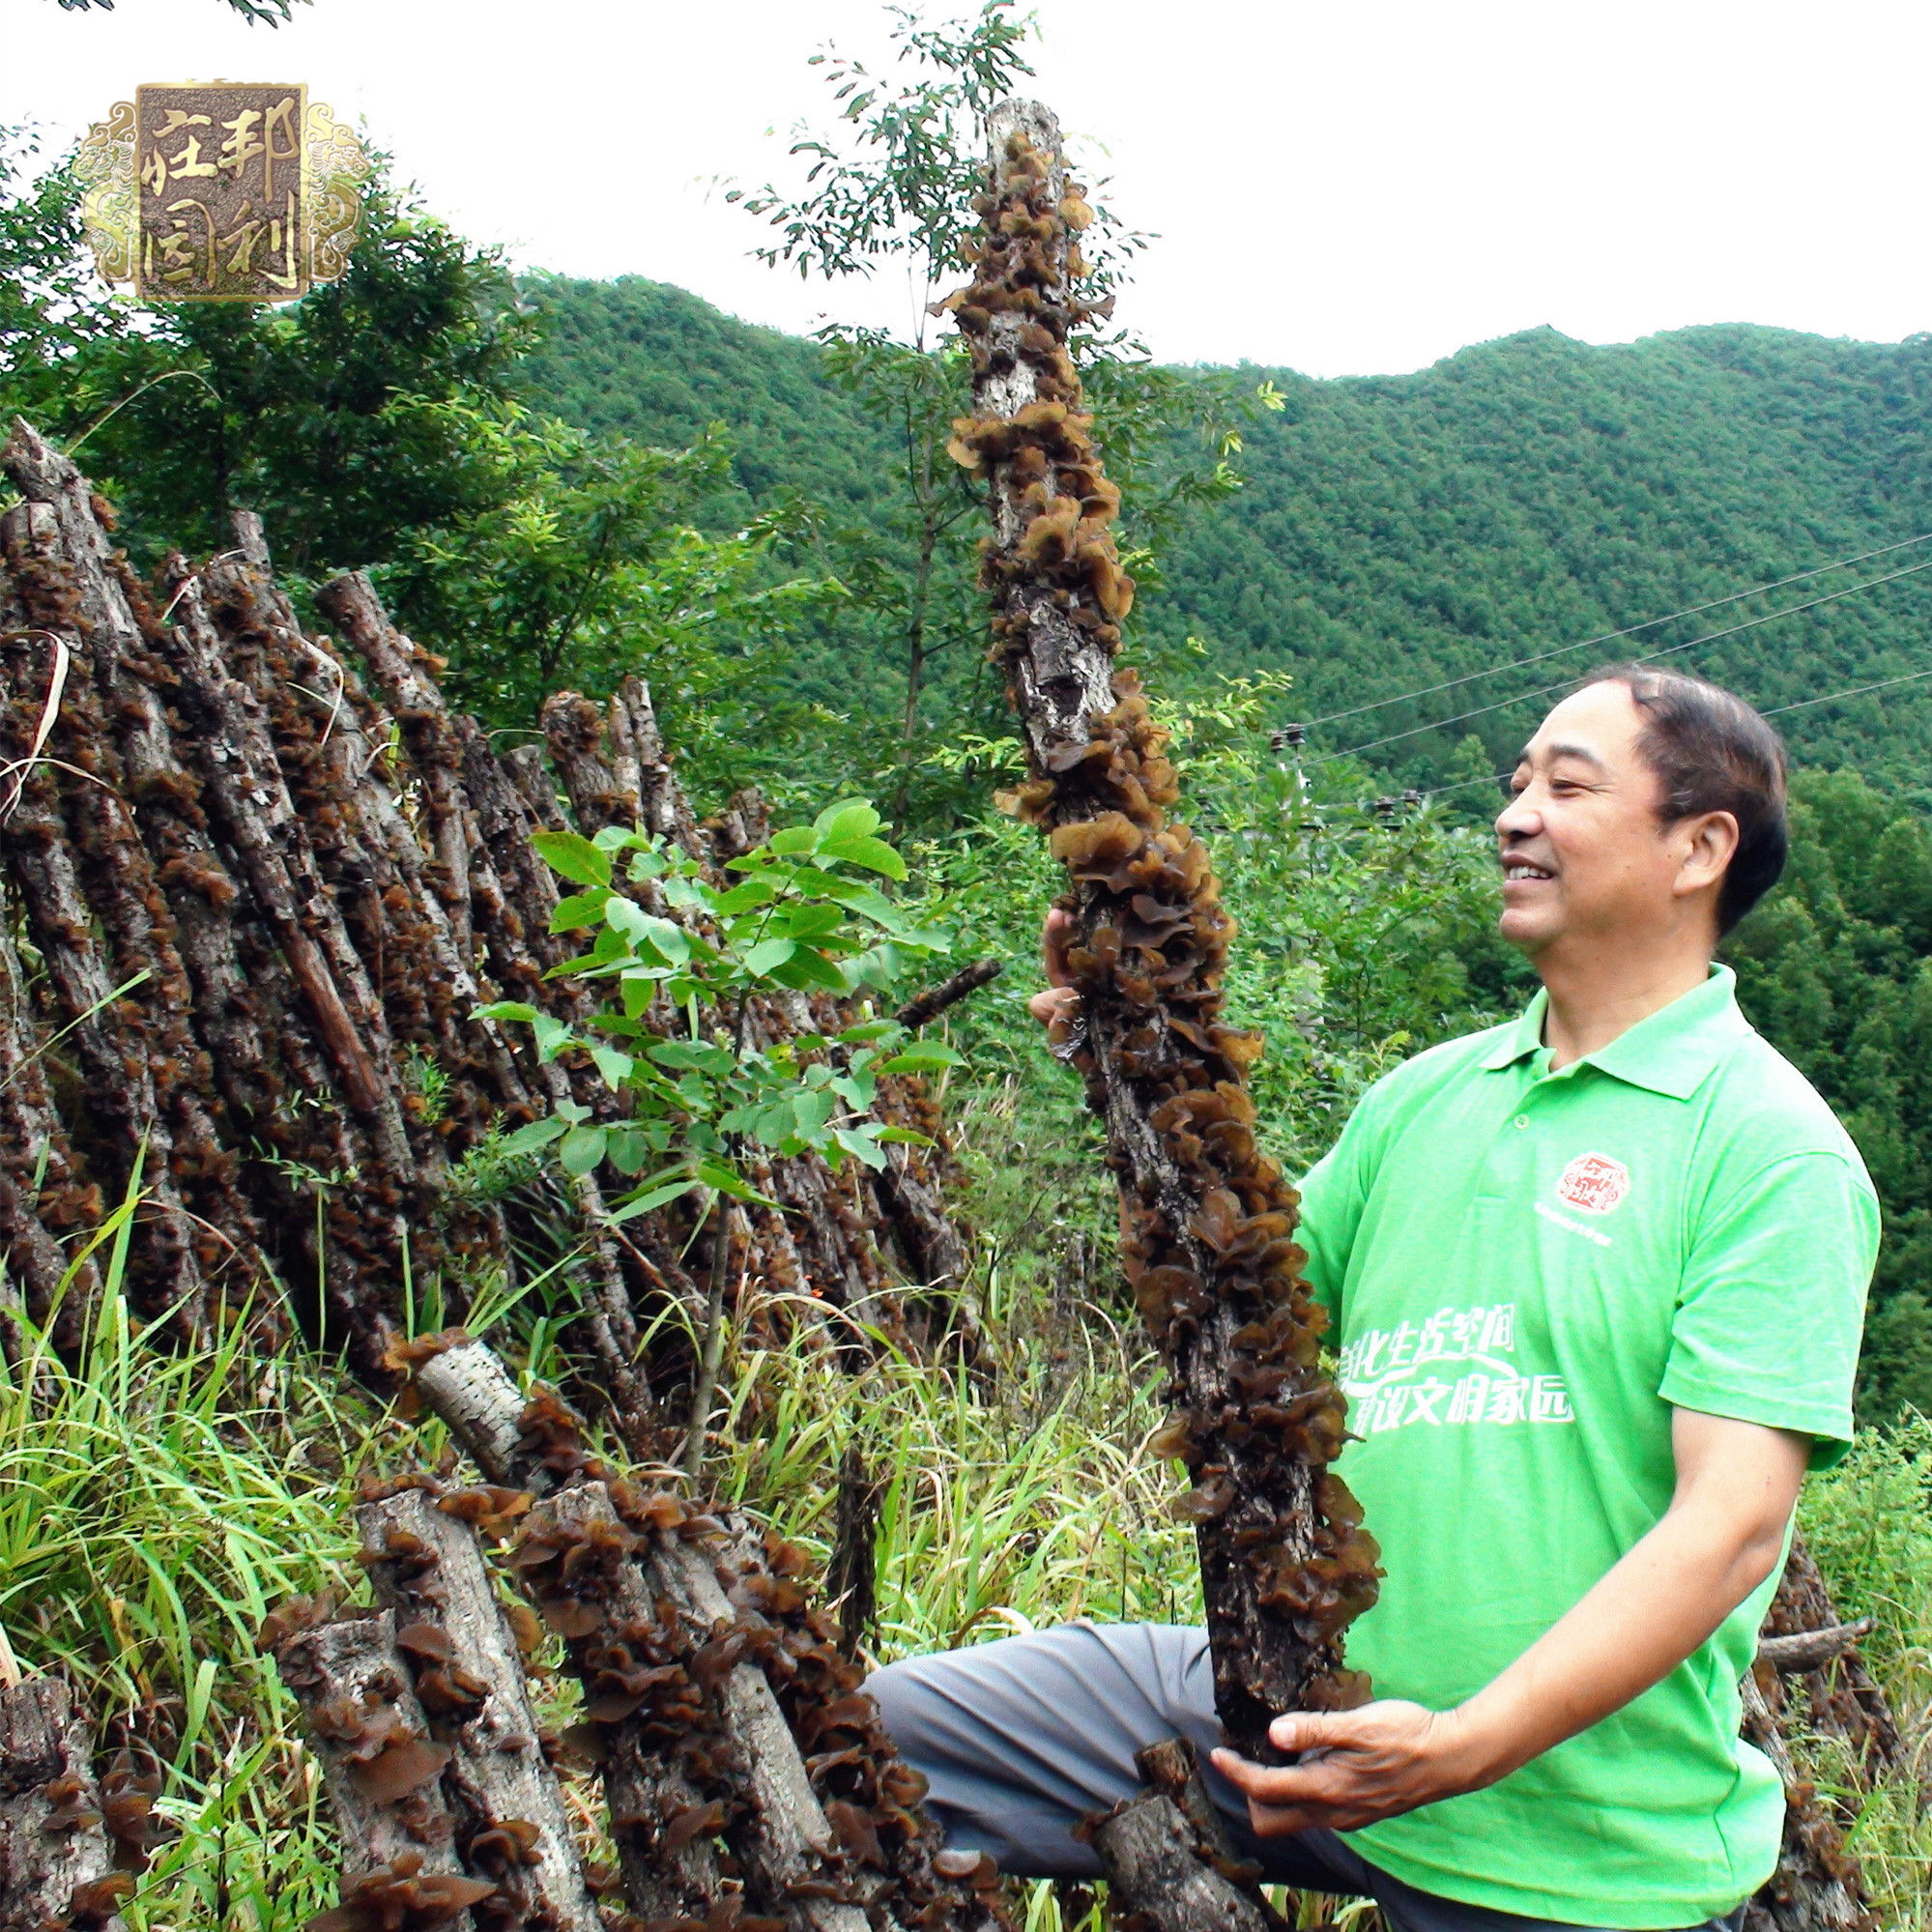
[
  {"x": 1723, "y": 1535},
  {"x": 1358, "y": 1766},
  {"x": 1054, "y": 1009}
]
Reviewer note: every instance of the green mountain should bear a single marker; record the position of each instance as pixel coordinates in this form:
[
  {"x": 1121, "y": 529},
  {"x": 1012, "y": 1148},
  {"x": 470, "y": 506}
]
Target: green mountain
[{"x": 1401, "y": 532}]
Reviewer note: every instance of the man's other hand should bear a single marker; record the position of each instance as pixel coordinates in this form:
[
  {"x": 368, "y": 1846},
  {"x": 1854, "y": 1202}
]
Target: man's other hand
[
  {"x": 1357, "y": 1766},
  {"x": 1055, "y": 1008}
]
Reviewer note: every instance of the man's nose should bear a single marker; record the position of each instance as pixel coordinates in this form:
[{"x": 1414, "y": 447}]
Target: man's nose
[{"x": 1519, "y": 819}]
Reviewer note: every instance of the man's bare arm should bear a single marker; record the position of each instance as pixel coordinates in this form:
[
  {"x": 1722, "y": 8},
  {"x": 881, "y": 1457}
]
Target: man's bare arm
[{"x": 1737, "y": 1483}]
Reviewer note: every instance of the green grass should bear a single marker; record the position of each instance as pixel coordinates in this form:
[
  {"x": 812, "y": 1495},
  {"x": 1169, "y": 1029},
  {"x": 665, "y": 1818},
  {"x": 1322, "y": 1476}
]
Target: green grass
[
  {"x": 155, "y": 1503},
  {"x": 1003, "y": 1508}
]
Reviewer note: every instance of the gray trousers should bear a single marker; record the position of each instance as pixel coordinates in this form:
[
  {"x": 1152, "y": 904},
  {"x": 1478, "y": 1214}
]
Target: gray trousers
[{"x": 1020, "y": 1740}]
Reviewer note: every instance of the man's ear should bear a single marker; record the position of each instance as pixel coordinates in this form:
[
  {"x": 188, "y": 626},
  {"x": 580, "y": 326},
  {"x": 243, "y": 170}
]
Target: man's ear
[{"x": 1708, "y": 841}]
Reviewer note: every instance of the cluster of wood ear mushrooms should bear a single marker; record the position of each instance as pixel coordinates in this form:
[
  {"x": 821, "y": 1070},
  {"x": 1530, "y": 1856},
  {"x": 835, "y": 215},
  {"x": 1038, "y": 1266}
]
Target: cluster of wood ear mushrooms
[{"x": 122, "y": 1805}]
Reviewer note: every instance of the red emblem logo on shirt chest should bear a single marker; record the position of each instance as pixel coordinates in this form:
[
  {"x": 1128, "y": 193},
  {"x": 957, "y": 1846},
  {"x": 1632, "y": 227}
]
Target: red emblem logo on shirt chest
[{"x": 1595, "y": 1183}]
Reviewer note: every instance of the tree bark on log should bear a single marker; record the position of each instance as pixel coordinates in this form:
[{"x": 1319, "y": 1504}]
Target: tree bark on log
[
  {"x": 637, "y": 1591},
  {"x": 1167, "y": 1854},
  {"x": 371, "y": 1736},
  {"x": 42, "y": 1194},
  {"x": 1838, "y": 1695},
  {"x": 928, "y": 1005},
  {"x": 511, "y": 1826},
  {"x": 75, "y": 853},
  {"x": 1207, "y": 1220},
  {"x": 780, "y": 1839},
  {"x": 464, "y": 871},
  {"x": 1805, "y": 1651},
  {"x": 56, "y": 1865},
  {"x": 1154, "y": 1862}
]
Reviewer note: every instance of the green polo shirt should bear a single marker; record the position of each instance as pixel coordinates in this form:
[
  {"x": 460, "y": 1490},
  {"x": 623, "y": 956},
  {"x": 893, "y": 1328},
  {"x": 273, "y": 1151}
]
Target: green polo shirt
[{"x": 1528, "y": 1271}]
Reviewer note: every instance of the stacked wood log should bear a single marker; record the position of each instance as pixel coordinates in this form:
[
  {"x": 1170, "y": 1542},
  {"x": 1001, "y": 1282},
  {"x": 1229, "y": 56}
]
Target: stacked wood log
[
  {"x": 253, "y": 885},
  {"x": 1207, "y": 1220},
  {"x": 746, "y": 1781}
]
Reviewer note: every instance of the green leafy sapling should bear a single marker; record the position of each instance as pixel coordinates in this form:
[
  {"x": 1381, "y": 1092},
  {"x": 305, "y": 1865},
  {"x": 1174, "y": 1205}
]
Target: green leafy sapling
[{"x": 697, "y": 1086}]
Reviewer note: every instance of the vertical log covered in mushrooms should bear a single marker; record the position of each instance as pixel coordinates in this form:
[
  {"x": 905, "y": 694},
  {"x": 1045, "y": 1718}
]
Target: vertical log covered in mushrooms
[{"x": 1207, "y": 1220}]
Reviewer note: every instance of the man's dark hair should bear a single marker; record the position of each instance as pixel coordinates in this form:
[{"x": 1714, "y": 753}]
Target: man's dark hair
[{"x": 1713, "y": 753}]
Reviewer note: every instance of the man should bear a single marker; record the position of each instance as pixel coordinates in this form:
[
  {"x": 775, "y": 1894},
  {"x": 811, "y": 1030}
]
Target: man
[{"x": 1597, "y": 1278}]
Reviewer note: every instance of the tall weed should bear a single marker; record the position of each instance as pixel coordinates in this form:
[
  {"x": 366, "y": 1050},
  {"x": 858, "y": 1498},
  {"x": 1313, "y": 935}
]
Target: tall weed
[{"x": 1869, "y": 1525}]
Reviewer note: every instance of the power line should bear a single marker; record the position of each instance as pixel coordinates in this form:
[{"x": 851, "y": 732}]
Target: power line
[
  {"x": 1778, "y": 710},
  {"x": 1670, "y": 650},
  {"x": 1856, "y": 690},
  {"x": 1611, "y": 636}
]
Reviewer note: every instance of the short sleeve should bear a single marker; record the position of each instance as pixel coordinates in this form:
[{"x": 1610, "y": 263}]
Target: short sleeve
[
  {"x": 1771, "y": 1306},
  {"x": 1334, "y": 1193}
]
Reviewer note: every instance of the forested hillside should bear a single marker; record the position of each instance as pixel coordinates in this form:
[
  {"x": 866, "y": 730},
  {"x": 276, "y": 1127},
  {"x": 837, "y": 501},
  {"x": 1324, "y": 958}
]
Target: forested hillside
[{"x": 1396, "y": 532}]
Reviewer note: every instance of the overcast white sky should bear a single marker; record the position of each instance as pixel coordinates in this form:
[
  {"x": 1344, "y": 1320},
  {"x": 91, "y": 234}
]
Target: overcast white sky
[{"x": 1360, "y": 186}]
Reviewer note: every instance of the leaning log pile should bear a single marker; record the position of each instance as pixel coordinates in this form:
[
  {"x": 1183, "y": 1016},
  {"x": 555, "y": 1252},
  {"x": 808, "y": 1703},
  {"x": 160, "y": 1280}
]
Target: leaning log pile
[{"x": 254, "y": 883}]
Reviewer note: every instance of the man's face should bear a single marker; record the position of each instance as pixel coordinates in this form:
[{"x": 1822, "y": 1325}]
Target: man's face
[{"x": 1584, "y": 856}]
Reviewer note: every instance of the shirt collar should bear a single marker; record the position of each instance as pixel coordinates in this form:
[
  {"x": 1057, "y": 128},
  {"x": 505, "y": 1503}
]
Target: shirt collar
[{"x": 1672, "y": 1052}]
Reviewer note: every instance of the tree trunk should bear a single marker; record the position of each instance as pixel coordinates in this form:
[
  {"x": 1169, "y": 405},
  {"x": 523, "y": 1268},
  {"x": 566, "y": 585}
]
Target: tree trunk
[{"x": 1817, "y": 1887}]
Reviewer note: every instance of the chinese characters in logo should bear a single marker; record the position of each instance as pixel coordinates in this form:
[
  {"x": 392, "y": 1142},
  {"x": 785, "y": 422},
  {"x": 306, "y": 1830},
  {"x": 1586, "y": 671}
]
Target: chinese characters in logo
[
  {"x": 219, "y": 176},
  {"x": 222, "y": 191},
  {"x": 1391, "y": 1381}
]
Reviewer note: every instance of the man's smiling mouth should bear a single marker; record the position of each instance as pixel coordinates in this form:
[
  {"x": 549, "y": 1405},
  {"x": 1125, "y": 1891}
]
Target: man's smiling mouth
[{"x": 1521, "y": 868}]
